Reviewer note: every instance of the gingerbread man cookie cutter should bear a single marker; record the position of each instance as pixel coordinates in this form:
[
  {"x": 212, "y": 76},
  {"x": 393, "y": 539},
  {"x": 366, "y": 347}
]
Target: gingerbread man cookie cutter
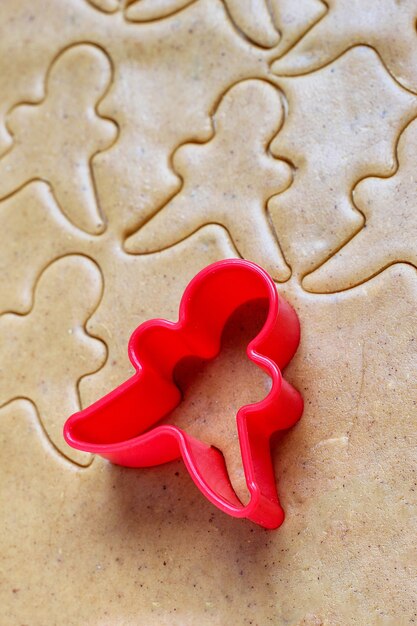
[{"x": 123, "y": 425}]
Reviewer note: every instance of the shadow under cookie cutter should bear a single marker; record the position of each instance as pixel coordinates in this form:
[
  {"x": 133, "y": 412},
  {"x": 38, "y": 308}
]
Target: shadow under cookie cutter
[{"x": 122, "y": 426}]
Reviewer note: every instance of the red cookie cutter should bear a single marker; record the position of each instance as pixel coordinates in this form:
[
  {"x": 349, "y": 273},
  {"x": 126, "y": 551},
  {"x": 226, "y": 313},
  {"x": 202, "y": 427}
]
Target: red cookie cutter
[{"x": 122, "y": 428}]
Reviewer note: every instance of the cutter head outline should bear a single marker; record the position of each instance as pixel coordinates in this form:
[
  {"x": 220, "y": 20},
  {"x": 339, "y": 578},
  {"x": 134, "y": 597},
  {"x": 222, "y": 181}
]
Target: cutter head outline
[{"x": 122, "y": 426}]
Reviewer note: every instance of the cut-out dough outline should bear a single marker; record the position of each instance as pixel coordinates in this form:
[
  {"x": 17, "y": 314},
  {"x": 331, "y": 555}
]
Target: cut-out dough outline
[
  {"x": 212, "y": 114},
  {"x": 48, "y": 440},
  {"x": 61, "y": 52},
  {"x": 357, "y": 231},
  {"x": 84, "y": 328}
]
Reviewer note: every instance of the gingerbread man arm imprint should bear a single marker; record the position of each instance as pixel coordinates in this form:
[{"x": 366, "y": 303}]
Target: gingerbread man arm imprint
[
  {"x": 253, "y": 18},
  {"x": 228, "y": 181},
  {"x": 150, "y": 10},
  {"x": 55, "y": 139},
  {"x": 275, "y": 24},
  {"x": 106, "y": 6},
  {"x": 35, "y": 232},
  {"x": 293, "y": 20},
  {"x": 49, "y": 350},
  {"x": 22, "y": 402},
  {"x": 387, "y": 204}
]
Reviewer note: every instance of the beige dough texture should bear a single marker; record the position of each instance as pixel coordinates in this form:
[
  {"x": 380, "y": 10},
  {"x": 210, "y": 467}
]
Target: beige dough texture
[{"x": 140, "y": 141}]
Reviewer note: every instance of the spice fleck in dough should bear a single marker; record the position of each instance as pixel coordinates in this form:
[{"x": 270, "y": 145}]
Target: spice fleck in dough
[{"x": 117, "y": 124}]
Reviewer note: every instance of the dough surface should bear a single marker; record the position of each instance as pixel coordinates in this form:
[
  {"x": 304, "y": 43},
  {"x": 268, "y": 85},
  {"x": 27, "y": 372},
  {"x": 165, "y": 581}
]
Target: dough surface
[{"x": 139, "y": 142}]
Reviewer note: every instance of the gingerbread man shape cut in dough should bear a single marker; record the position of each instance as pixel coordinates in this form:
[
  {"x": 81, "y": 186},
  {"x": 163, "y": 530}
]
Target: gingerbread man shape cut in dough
[{"x": 55, "y": 140}]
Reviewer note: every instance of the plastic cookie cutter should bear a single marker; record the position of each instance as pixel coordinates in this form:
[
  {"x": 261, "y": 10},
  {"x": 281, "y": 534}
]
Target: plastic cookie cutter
[{"x": 123, "y": 425}]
